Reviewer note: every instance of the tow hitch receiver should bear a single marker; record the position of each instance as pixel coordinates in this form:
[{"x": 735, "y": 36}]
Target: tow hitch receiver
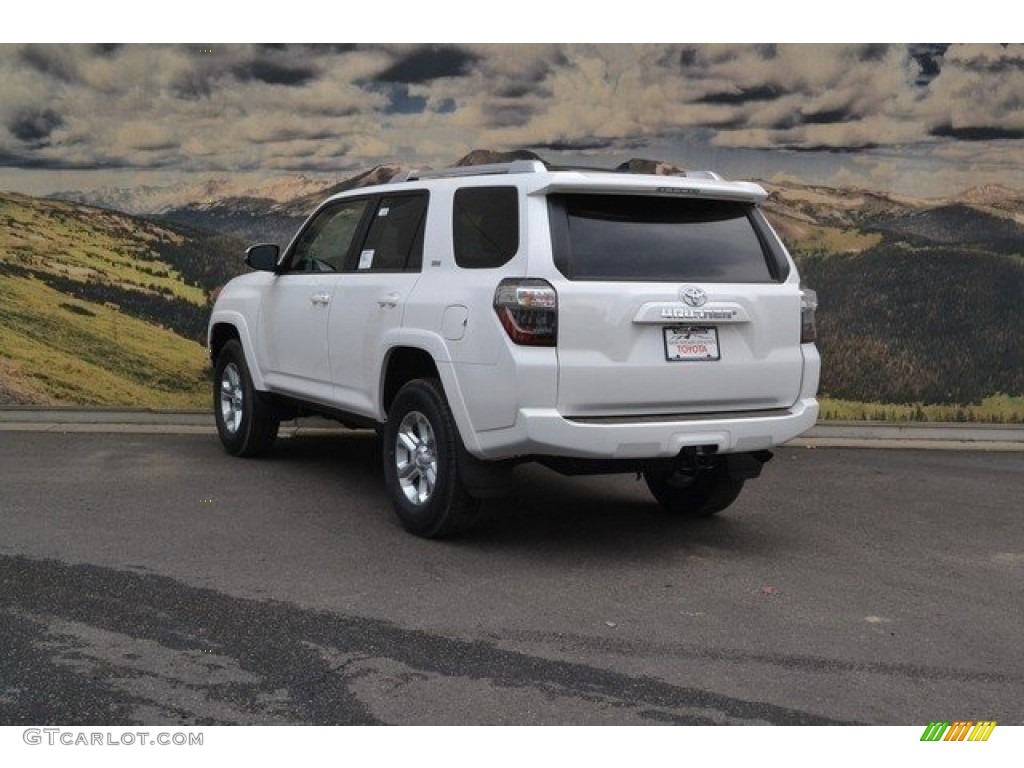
[{"x": 693, "y": 460}]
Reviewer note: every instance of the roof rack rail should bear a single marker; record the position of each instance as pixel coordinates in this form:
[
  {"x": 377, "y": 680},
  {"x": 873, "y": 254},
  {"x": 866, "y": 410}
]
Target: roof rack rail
[
  {"x": 710, "y": 175},
  {"x": 489, "y": 169}
]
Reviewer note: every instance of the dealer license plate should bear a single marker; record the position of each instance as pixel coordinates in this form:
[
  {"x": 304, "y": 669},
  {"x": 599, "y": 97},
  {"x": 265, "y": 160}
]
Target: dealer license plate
[{"x": 691, "y": 342}]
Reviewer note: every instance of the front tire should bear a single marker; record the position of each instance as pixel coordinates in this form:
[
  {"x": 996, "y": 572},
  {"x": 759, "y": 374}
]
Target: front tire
[
  {"x": 245, "y": 422},
  {"x": 421, "y": 445},
  {"x": 701, "y": 495}
]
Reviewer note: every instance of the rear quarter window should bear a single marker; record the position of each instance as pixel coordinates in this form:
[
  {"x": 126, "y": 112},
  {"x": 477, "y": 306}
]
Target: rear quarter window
[
  {"x": 485, "y": 226},
  {"x": 632, "y": 237}
]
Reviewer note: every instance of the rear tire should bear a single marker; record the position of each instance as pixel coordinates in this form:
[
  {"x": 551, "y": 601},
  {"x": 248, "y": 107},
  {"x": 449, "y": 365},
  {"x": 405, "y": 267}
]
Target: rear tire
[
  {"x": 420, "y": 445},
  {"x": 246, "y": 423},
  {"x": 701, "y": 495}
]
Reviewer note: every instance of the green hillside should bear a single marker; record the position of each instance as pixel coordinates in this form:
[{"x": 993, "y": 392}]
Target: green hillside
[
  {"x": 100, "y": 308},
  {"x": 921, "y": 303},
  {"x": 908, "y": 325}
]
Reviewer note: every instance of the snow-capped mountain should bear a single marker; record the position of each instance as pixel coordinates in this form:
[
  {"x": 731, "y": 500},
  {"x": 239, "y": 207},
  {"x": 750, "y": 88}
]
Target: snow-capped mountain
[{"x": 204, "y": 193}]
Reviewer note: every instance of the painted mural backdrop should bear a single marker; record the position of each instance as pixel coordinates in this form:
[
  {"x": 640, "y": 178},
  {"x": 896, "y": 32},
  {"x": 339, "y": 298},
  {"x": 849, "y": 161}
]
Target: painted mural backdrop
[{"x": 133, "y": 176}]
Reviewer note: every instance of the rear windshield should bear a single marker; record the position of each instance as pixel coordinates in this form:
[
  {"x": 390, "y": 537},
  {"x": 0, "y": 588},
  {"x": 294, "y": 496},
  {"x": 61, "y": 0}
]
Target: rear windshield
[{"x": 631, "y": 237}]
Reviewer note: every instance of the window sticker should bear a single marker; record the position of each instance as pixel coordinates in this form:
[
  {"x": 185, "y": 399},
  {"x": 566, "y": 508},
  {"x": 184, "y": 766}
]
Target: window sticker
[
  {"x": 383, "y": 212},
  {"x": 366, "y": 259}
]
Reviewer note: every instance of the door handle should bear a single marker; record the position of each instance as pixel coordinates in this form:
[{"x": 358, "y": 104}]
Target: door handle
[
  {"x": 388, "y": 300},
  {"x": 320, "y": 298}
]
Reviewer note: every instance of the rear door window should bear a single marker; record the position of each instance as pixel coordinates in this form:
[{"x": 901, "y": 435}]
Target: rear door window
[
  {"x": 394, "y": 242},
  {"x": 632, "y": 237}
]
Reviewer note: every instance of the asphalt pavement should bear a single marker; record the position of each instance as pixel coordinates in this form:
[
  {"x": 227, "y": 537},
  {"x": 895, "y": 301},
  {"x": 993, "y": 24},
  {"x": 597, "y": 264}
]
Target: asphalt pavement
[{"x": 150, "y": 578}]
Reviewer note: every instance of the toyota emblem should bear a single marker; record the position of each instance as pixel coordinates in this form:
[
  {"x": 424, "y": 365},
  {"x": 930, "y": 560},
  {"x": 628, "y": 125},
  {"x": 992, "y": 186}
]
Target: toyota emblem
[{"x": 693, "y": 296}]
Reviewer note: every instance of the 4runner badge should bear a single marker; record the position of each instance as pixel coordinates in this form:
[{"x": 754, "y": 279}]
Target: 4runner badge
[{"x": 693, "y": 296}]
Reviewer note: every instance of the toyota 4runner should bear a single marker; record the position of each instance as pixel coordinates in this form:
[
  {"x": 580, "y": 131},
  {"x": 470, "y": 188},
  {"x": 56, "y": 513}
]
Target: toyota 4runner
[{"x": 479, "y": 317}]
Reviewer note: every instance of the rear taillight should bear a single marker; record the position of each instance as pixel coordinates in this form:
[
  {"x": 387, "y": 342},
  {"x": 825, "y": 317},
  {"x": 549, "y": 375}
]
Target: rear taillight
[
  {"x": 528, "y": 311},
  {"x": 808, "y": 303}
]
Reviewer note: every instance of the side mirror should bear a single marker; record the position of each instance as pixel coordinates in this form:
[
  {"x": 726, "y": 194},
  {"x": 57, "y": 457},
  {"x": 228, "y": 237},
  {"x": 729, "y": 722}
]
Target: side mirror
[{"x": 263, "y": 257}]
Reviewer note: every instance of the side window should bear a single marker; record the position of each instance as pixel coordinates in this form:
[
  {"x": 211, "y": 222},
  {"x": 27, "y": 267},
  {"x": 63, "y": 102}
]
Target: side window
[
  {"x": 485, "y": 226},
  {"x": 394, "y": 242},
  {"x": 324, "y": 245}
]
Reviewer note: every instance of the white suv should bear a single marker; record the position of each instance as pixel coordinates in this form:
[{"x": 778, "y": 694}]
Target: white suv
[{"x": 480, "y": 317}]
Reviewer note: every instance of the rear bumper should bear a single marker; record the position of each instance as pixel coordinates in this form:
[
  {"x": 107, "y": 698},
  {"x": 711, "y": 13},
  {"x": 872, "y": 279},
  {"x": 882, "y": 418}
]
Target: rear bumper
[{"x": 545, "y": 432}]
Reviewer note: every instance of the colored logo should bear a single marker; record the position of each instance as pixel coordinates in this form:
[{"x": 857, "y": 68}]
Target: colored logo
[{"x": 960, "y": 730}]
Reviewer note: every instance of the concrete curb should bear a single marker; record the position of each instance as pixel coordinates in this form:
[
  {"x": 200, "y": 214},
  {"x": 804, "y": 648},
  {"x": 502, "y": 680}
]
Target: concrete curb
[
  {"x": 983, "y": 437},
  {"x": 874, "y": 430},
  {"x": 913, "y": 443},
  {"x": 948, "y": 437},
  {"x": 101, "y": 416}
]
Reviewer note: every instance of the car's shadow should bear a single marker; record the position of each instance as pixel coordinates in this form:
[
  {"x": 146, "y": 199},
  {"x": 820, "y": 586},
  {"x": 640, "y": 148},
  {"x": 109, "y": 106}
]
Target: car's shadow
[
  {"x": 592, "y": 514},
  {"x": 544, "y": 511}
]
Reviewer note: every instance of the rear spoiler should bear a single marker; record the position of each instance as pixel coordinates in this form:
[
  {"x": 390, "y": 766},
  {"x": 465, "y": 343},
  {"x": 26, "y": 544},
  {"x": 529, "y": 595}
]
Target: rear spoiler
[{"x": 662, "y": 186}]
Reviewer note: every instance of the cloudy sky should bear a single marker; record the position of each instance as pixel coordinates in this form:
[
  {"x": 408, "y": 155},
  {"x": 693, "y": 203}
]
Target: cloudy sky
[{"x": 919, "y": 119}]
